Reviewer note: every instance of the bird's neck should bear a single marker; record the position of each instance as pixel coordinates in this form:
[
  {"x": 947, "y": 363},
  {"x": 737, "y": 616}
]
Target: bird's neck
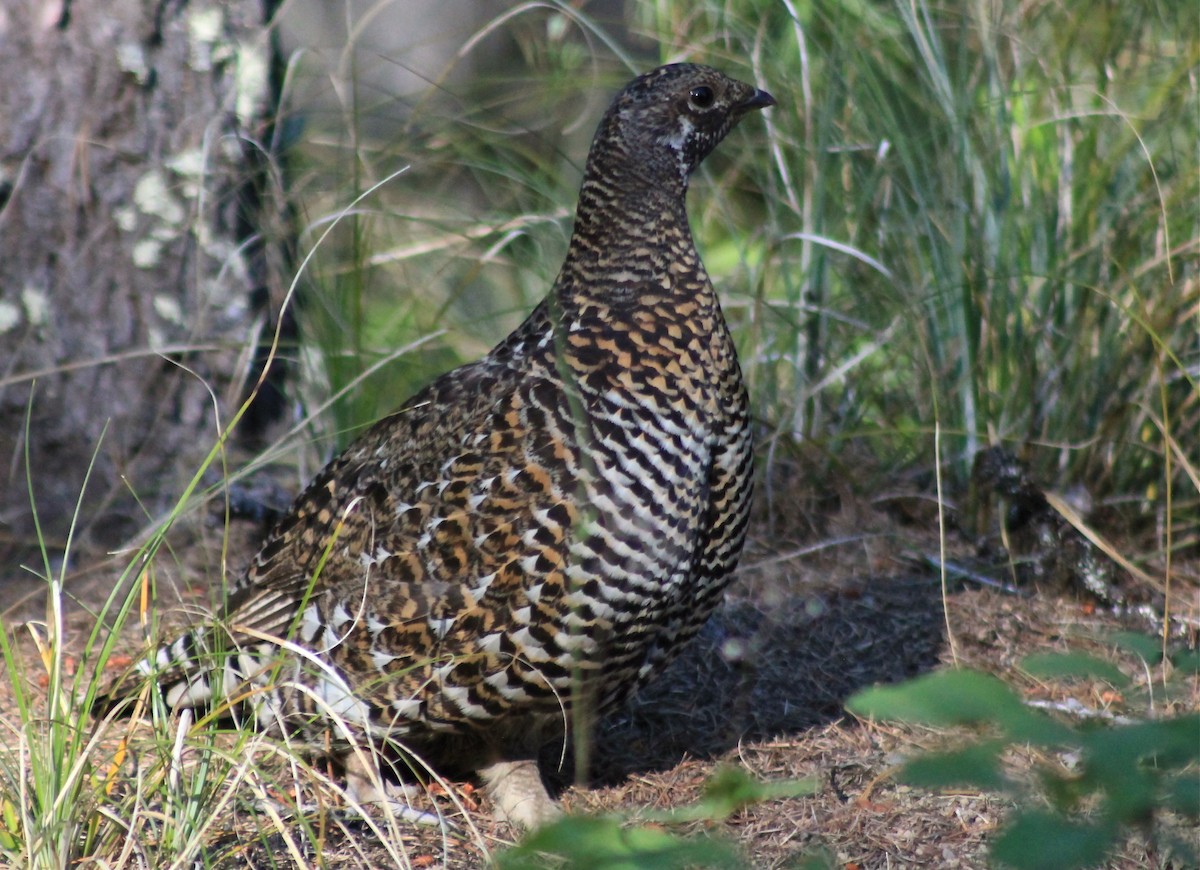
[{"x": 629, "y": 231}]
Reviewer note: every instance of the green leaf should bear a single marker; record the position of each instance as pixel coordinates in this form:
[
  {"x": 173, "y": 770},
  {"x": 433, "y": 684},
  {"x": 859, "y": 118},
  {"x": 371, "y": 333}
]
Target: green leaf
[
  {"x": 1182, "y": 794},
  {"x": 1064, "y": 790},
  {"x": 1168, "y": 743},
  {"x": 730, "y": 789},
  {"x": 1045, "y": 841},
  {"x": 1128, "y": 762},
  {"x": 10, "y": 825},
  {"x": 1073, "y": 665},
  {"x": 1183, "y": 851},
  {"x": 601, "y": 842},
  {"x": 974, "y": 766},
  {"x": 1187, "y": 660},
  {"x": 1145, "y": 646},
  {"x": 959, "y": 697}
]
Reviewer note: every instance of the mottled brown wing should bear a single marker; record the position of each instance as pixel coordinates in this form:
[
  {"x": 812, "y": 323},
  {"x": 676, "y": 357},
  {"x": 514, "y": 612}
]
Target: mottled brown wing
[{"x": 435, "y": 550}]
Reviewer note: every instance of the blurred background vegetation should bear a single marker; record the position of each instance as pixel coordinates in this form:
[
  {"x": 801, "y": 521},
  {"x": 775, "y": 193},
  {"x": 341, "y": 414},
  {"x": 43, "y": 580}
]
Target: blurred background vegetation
[{"x": 978, "y": 220}]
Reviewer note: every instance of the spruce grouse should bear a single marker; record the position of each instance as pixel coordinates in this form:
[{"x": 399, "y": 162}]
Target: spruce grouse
[{"x": 539, "y": 529}]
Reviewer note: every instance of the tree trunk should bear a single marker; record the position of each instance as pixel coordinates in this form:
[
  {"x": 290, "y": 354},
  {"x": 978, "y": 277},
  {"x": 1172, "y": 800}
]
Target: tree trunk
[{"x": 127, "y": 266}]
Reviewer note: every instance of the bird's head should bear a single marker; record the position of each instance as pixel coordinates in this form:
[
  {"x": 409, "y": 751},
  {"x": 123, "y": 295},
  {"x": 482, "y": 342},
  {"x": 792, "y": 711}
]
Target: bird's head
[{"x": 668, "y": 120}]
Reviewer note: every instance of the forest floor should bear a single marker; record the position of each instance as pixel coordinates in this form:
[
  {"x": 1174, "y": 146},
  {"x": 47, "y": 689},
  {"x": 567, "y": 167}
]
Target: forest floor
[{"x": 835, "y": 593}]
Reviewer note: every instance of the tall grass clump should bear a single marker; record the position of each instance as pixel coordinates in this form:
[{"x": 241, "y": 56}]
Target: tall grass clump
[
  {"x": 981, "y": 216},
  {"x": 58, "y": 770},
  {"x": 46, "y": 805},
  {"x": 136, "y": 784}
]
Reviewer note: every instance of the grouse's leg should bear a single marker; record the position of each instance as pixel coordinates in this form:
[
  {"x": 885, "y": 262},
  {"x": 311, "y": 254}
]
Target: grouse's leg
[
  {"x": 365, "y": 788},
  {"x": 516, "y": 789}
]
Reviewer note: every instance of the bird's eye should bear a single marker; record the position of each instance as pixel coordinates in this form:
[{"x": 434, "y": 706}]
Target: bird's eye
[{"x": 701, "y": 97}]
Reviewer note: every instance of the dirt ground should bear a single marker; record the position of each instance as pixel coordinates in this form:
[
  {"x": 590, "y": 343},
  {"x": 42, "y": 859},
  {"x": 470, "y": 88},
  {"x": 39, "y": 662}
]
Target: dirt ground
[{"x": 834, "y": 594}]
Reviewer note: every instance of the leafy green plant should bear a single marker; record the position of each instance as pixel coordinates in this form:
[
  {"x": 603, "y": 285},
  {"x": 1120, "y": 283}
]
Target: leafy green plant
[
  {"x": 612, "y": 843},
  {"x": 78, "y": 783},
  {"x": 1097, "y": 780}
]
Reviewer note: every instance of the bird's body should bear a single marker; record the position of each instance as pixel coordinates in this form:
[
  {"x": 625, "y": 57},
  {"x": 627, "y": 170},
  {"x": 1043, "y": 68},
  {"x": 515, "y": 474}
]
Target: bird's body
[{"x": 545, "y": 525}]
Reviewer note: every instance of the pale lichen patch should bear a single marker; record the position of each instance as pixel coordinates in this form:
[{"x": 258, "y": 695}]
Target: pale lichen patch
[
  {"x": 153, "y": 197},
  {"x": 132, "y": 58},
  {"x": 204, "y": 29},
  {"x": 146, "y": 253},
  {"x": 126, "y": 218},
  {"x": 37, "y": 304},
  {"x": 168, "y": 309},
  {"x": 10, "y": 316},
  {"x": 189, "y": 166},
  {"x": 251, "y": 82}
]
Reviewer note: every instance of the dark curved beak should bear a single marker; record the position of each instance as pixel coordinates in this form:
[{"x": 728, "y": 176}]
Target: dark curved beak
[{"x": 760, "y": 100}]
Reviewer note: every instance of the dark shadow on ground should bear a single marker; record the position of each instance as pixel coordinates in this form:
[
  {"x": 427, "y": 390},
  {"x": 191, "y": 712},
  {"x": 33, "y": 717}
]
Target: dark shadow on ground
[{"x": 755, "y": 673}]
